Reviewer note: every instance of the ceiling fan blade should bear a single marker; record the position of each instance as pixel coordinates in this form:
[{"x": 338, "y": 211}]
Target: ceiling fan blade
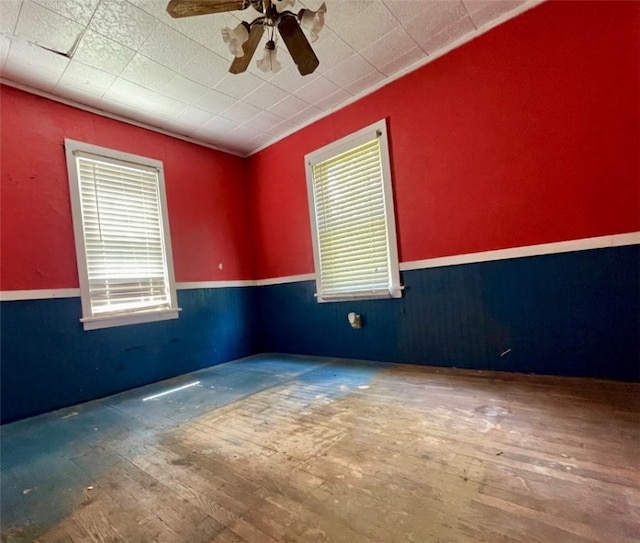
[
  {"x": 298, "y": 45},
  {"x": 188, "y": 8},
  {"x": 240, "y": 64}
]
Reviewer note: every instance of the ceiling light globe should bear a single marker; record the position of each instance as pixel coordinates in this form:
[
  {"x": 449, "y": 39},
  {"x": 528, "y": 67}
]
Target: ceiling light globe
[{"x": 235, "y": 38}]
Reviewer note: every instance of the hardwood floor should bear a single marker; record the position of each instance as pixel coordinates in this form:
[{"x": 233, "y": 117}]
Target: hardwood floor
[{"x": 299, "y": 449}]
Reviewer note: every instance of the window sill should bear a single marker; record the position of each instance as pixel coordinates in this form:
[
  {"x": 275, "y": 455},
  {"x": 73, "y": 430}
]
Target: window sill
[
  {"x": 360, "y": 295},
  {"x": 124, "y": 319}
]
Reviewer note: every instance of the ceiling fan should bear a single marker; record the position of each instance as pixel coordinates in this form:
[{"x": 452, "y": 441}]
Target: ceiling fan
[{"x": 245, "y": 38}]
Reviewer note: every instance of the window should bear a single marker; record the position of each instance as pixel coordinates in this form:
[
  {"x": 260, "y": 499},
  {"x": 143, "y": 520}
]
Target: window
[
  {"x": 352, "y": 218},
  {"x": 122, "y": 237}
]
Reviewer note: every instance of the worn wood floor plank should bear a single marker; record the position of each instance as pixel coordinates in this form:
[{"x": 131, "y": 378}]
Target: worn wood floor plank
[{"x": 393, "y": 454}]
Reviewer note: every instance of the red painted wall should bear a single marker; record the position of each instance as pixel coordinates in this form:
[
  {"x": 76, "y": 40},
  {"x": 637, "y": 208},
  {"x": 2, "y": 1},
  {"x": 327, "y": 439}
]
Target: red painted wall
[
  {"x": 529, "y": 134},
  {"x": 526, "y": 135},
  {"x": 206, "y": 195}
]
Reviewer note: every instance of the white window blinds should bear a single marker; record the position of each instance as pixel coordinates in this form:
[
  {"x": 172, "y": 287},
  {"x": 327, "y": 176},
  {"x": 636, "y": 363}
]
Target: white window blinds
[
  {"x": 352, "y": 209},
  {"x": 125, "y": 269}
]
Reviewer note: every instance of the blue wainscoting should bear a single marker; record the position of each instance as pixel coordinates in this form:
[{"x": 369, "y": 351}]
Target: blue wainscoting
[
  {"x": 572, "y": 313},
  {"x": 49, "y": 361},
  {"x": 565, "y": 314}
]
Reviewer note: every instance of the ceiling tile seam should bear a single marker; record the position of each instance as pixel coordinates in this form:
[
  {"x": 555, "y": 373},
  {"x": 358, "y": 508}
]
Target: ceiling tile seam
[
  {"x": 279, "y": 119},
  {"x": 6, "y": 58},
  {"x": 114, "y": 116},
  {"x": 30, "y": 40},
  {"x": 182, "y": 34},
  {"x": 337, "y": 36},
  {"x": 140, "y": 8},
  {"x": 242, "y": 99},
  {"x": 97, "y": 29},
  {"x": 384, "y": 2},
  {"x": 42, "y": 3},
  {"x": 113, "y": 84},
  {"x": 57, "y": 79},
  {"x": 161, "y": 93},
  {"x": 400, "y": 25},
  {"x": 76, "y": 45},
  {"x": 258, "y": 131},
  {"x": 197, "y": 127},
  {"x": 369, "y": 63},
  {"x": 464, "y": 6},
  {"x": 238, "y": 129},
  {"x": 179, "y": 113},
  {"x": 82, "y": 34},
  {"x": 275, "y": 84},
  {"x": 374, "y": 69},
  {"x": 15, "y": 24},
  {"x": 97, "y": 95},
  {"x": 138, "y": 52},
  {"x": 238, "y": 124},
  {"x": 288, "y": 97},
  {"x": 263, "y": 78},
  {"x": 490, "y": 24},
  {"x": 443, "y": 31},
  {"x": 121, "y": 76},
  {"x": 526, "y": 6}
]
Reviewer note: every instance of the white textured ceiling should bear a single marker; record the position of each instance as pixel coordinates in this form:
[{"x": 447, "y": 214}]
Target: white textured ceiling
[{"x": 131, "y": 59}]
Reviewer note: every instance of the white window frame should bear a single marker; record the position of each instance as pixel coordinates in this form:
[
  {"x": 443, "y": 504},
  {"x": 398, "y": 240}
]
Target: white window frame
[
  {"x": 89, "y": 320},
  {"x": 376, "y": 130}
]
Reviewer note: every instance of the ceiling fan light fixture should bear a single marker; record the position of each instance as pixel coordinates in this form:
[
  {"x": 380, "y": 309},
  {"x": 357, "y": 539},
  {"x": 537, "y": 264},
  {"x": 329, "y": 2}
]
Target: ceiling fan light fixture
[
  {"x": 269, "y": 61},
  {"x": 282, "y": 5},
  {"x": 244, "y": 39},
  {"x": 236, "y": 38},
  {"x": 313, "y": 21}
]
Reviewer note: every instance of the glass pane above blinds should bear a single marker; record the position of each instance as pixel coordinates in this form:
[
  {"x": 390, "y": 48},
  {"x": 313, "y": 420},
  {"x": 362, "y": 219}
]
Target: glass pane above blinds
[
  {"x": 123, "y": 237},
  {"x": 351, "y": 223}
]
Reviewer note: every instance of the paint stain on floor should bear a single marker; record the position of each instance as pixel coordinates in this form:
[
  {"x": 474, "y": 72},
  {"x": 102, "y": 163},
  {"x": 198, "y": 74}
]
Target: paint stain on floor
[{"x": 358, "y": 452}]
